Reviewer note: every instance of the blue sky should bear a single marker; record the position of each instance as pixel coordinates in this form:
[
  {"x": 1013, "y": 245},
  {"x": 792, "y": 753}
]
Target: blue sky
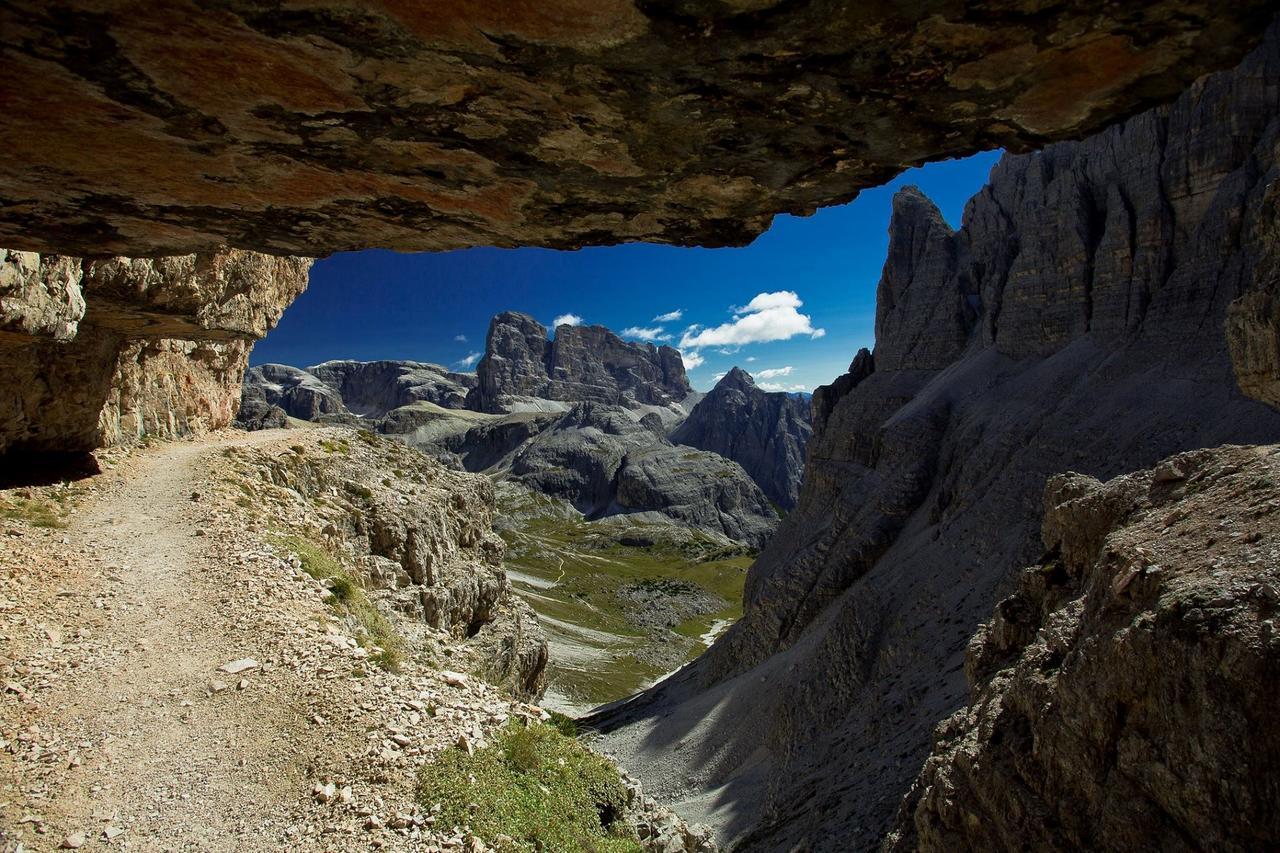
[{"x": 436, "y": 306}]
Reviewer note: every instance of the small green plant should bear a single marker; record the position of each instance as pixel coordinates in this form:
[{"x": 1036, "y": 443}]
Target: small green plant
[
  {"x": 347, "y": 597},
  {"x": 564, "y": 724},
  {"x": 358, "y": 490},
  {"x": 536, "y": 786}
]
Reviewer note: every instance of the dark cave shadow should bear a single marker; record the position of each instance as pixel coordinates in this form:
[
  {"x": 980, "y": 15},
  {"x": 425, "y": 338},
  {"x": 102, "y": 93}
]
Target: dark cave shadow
[{"x": 20, "y": 468}]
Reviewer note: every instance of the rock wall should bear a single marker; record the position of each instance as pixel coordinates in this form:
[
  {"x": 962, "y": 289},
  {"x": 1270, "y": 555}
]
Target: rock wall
[
  {"x": 521, "y": 367},
  {"x": 1075, "y": 322},
  {"x": 764, "y": 432},
  {"x": 315, "y": 126},
  {"x": 105, "y": 351},
  {"x": 1118, "y": 699}
]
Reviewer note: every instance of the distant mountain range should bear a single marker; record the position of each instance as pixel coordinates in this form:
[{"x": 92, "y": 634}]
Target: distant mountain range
[{"x": 610, "y": 426}]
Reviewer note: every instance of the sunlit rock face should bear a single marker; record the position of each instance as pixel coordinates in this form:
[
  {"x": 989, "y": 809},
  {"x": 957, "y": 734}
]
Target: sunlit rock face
[
  {"x": 105, "y": 351},
  {"x": 1106, "y": 304},
  {"x": 318, "y": 125},
  {"x": 521, "y": 368}
]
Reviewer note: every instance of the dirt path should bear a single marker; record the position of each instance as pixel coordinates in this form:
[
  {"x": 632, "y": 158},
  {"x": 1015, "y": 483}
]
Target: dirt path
[{"x": 146, "y": 612}]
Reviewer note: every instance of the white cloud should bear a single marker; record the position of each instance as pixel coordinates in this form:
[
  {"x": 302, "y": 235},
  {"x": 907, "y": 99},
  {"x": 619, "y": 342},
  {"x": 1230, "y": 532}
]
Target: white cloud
[
  {"x": 654, "y": 333},
  {"x": 774, "y": 372},
  {"x": 462, "y": 339},
  {"x": 691, "y": 359},
  {"x": 566, "y": 320},
  {"x": 718, "y": 377},
  {"x": 780, "y": 386},
  {"x": 469, "y": 360},
  {"x": 669, "y": 317},
  {"x": 751, "y": 358},
  {"x": 767, "y": 317}
]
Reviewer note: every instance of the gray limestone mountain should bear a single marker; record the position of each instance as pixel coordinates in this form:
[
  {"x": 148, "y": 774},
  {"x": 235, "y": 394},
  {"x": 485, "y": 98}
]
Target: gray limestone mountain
[
  {"x": 370, "y": 389},
  {"x": 521, "y": 368},
  {"x": 608, "y": 460},
  {"x": 764, "y": 432},
  {"x": 1077, "y": 321}
]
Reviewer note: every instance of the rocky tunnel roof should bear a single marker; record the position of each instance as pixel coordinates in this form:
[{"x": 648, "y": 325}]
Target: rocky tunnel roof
[{"x": 311, "y": 126}]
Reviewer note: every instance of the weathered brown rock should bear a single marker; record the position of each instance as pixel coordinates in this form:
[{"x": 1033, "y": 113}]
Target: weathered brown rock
[
  {"x": 1121, "y": 698},
  {"x": 1092, "y": 283},
  {"x": 104, "y": 351},
  {"x": 319, "y": 125}
]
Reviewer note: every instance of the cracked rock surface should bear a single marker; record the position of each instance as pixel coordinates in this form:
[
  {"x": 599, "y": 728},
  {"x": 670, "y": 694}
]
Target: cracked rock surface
[{"x": 320, "y": 125}]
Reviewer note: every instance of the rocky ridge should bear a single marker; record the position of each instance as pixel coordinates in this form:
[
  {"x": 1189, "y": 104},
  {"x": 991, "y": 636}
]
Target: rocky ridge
[
  {"x": 608, "y": 460},
  {"x": 764, "y": 432},
  {"x": 521, "y": 369},
  {"x": 326, "y": 125},
  {"x": 1077, "y": 321},
  {"x": 368, "y": 389},
  {"x": 109, "y": 350},
  {"x": 1116, "y": 698}
]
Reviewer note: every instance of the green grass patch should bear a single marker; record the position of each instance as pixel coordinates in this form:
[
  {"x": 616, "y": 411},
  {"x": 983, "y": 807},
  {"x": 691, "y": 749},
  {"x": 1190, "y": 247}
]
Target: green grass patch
[
  {"x": 37, "y": 513},
  {"x": 535, "y": 785},
  {"x": 347, "y": 597},
  {"x": 590, "y": 567},
  {"x": 339, "y": 446}
]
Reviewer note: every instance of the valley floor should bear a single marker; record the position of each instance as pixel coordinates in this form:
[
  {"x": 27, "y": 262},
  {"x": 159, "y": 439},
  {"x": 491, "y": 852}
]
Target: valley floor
[{"x": 124, "y": 598}]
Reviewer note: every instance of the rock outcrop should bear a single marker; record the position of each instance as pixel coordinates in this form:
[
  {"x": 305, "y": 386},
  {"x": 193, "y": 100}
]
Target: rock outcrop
[
  {"x": 369, "y": 389},
  {"x": 422, "y": 539},
  {"x": 1078, "y": 323},
  {"x": 607, "y": 460},
  {"x": 322, "y": 125},
  {"x": 108, "y": 350},
  {"x": 1119, "y": 698},
  {"x": 764, "y": 432},
  {"x": 521, "y": 369}
]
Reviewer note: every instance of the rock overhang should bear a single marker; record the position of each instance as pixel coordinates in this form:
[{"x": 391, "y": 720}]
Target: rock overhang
[{"x": 315, "y": 126}]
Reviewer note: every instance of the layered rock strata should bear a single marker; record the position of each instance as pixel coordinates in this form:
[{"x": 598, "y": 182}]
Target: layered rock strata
[
  {"x": 322, "y": 125},
  {"x": 764, "y": 432},
  {"x": 521, "y": 368},
  {"x": 1118, "y": 699},
  {"x": 108, "y": 350},
  {"x": 1077, "y": 321}
]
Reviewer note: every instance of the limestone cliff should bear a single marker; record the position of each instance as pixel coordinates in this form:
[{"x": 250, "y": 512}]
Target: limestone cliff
[
  {"x": 108, "y": 350},
  {"x": 320, "y": 125},
  {"x": 1119, "y": 699},
  {"x": 764, "y": 432},
  {"x": 1075, "y": 322},
  {"x": 521, "y": 367}
]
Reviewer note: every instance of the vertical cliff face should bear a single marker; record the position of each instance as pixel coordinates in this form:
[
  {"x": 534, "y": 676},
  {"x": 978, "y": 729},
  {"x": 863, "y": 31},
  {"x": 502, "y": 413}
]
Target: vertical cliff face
[
  {"x": 764, "y": 432},
  {"x": 1119, "y": 698},
  {"x": 1077, "y": 321},
  {"x": 102, "y": 351},
  {"x": 521, "y": 367}
]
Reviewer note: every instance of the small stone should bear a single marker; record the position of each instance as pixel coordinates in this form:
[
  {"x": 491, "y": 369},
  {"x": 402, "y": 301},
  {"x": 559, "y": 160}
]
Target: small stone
[
  {"x": 111, "y": 833},
  {"x": 324, "y": 793},
  {"x": 74, "y": 841},
  {"x": 241, "y": 665},
  {"x": 345, "y": 795},
  {"x": 242, "y": 684},
  {"x": 464, "y": 744},
  {"x": 216, "y": 686},
  {"x": 453, "y": 679}
]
